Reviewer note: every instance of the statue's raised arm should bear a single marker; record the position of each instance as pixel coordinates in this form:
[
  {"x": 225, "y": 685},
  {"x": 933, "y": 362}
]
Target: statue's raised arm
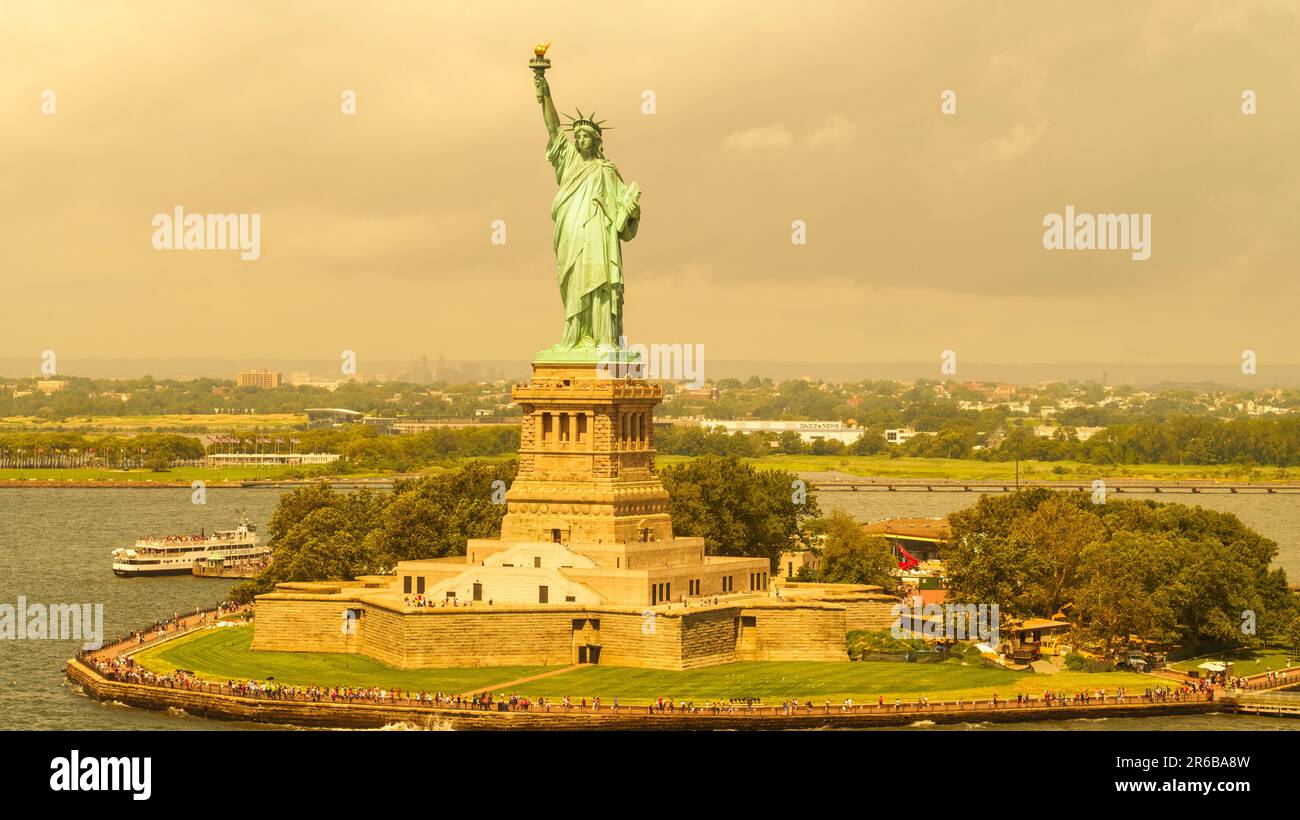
[
  {"x": 539, "y": 64},
  {"x": 594, "y": 212}
]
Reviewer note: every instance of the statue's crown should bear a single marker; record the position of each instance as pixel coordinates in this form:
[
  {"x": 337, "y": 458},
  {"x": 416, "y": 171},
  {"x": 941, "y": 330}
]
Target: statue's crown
[{"x": 587, "y": 121}]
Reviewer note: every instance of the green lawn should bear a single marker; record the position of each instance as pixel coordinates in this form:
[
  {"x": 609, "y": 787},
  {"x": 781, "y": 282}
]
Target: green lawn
[
  {"x": 773, "y": 681},
  {"x": 224, "y": 654},
  {"x": 1246, "y": 662},
  {"x": 973, "y": 470}
]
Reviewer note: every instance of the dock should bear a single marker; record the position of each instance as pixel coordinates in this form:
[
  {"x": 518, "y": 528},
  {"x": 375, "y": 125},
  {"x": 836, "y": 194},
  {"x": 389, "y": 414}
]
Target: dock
[
  {"x": 228, "y": 569},
  {"x": 893, "y": 485},
  {"x": 1268, "y": 703}
]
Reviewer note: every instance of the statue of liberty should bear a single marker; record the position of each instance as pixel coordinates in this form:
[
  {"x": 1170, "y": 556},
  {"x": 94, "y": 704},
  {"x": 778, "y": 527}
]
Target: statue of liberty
[{"x": 593, "y": 212}]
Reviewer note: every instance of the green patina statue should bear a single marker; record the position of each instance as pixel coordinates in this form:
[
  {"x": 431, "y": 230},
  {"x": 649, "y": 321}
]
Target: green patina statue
[{"x": 593, "y": 211}]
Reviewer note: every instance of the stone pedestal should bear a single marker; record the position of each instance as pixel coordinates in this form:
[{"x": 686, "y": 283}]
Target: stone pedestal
[{"x": 586, "y": 459}]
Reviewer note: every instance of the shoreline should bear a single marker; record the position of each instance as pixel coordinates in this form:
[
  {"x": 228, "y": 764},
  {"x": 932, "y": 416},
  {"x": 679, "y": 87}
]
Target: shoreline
[
  {"x": 224, "y": 484},
  {"x": 215, "y": 701},
  {"x": 365, "y": 715},
  {"x": 1126, "y": 484}
]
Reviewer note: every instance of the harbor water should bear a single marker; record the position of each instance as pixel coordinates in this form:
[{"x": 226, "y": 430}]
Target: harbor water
[{"x": 55, "y": 547}]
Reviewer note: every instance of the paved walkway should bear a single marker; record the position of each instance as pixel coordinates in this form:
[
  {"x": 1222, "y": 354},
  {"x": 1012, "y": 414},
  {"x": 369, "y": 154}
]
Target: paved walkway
[
  {"x": 513, "y": 683},
  {"x": 187, "y": 624}
]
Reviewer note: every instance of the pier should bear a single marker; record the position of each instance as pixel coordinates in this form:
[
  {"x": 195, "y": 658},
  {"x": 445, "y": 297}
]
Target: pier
[
  {"x": 1268, "y": 703},
  {"x": 893, "y": 485}
]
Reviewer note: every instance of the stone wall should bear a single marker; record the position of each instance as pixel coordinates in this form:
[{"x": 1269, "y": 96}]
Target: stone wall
[
  {"x": 435, "y": 638},
  {"x": 634, "y": 639},
  {"x": 709, "y": 638},
  {"x": 517, "y": 635},
  {"x": 795, "y": 632},
  {"x": 303, "y": 623},
  {"x": 872, "y": 612}
]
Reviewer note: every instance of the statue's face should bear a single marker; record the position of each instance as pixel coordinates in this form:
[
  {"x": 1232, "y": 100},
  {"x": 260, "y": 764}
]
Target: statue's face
[{"x": 585, "y": 142}]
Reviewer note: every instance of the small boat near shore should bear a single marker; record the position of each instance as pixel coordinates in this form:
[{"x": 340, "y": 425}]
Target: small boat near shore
[{"x": 177, "y": 554}]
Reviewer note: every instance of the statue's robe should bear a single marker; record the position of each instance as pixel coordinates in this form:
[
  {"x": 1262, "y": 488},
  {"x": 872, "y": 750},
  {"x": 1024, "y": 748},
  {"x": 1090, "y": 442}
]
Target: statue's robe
[{"x": 591, "y": 213}]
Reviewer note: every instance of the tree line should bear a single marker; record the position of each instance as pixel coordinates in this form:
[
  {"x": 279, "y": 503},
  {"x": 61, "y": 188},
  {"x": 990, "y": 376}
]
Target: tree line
[
  {"x": 1177, "y": 440},
  {"x": 318, "y": 533},
  {"x": 62, "y": 450},
  {"x": 1170, "y": 573}
]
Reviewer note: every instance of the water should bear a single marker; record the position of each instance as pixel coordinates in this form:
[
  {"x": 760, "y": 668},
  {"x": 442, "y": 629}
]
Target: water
[
  {"x": 55, "y": 548},
  {"x": 1214, "y": 722}
]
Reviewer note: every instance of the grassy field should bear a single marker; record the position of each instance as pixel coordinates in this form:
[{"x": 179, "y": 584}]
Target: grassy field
[
  {"x": 178, "y": 423},
  {"x": 1246, "y": 662},
  {"x": 773, "y": 681},
  {"x": 866, "y": 466},
  {"x": 224, "y": 654},
  {"x": 972, "y": 470}
]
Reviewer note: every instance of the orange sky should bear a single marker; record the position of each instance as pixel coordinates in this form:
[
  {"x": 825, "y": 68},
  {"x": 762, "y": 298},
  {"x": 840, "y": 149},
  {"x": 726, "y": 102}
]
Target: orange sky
[{"x": 924, "y": 231}]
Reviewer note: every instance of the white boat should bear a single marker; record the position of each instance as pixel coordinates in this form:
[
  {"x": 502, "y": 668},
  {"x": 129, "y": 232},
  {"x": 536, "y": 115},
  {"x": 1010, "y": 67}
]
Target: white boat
[{"x": 176, "y": 554}]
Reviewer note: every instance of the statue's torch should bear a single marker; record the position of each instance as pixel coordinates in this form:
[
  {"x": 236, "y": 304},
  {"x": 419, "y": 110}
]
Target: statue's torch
[{"x": 539, "y": 64}]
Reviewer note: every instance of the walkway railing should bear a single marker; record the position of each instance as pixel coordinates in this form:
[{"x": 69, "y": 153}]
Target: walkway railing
[
  {"x": 161, "y": 631},
  {"x": 370, "y": 697}
]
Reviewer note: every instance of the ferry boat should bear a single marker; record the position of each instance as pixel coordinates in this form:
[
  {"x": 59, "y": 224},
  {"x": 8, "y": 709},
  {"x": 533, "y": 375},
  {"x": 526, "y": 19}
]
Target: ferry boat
[{"x": 176, "y": 554}]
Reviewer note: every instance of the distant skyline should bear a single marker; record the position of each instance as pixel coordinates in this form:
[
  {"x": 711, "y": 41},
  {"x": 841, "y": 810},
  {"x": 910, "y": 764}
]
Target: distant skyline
[
  {"x": 924, "y": 230},
  {"x": 1115, "y": 373}
]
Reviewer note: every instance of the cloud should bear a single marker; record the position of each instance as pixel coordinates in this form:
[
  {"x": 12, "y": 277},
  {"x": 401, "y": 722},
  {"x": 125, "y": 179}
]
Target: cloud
[
  {"x": 1017, "y": 142},
  {"x": 763, "y": 137},
  {"x": 837, "y": 130}
]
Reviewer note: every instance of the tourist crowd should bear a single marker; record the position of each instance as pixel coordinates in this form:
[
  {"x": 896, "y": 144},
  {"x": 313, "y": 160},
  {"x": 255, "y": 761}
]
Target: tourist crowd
[{"x": 420, "y": 601}]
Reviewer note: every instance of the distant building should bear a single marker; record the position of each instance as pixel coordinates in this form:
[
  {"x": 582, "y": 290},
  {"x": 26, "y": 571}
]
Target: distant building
[
  {"x": 902, "y": 435},
  {"x": 381, "y": 423},
  {"x": 331, "y": 417},
  {"x": 48, "y": 386},
  {"x": 268, "y": 459},
  {"x": 1080, "y": 433},
  {"x": 809, "y": 431},
  {"x": 409, "y": 426},
  {"x": 919, "y": 537},
  {"x": 791, "y": 562},
  {"x": 699, "y": 393},
  {"x": 257, "y": 378}
]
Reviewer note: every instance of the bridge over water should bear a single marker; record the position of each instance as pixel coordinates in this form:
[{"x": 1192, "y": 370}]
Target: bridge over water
[{"x": 1004, "y": 486}]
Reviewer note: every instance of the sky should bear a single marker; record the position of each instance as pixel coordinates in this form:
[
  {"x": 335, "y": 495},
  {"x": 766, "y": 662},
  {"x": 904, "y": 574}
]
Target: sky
[{"x": 924, "y": 229}]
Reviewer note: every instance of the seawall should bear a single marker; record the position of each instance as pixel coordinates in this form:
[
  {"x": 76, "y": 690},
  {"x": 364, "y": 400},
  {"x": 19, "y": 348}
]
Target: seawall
[{"x": 372, "y": 715}]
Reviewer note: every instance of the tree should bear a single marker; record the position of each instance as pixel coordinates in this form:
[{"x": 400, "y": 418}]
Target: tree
[
  {"x": 434, "y": 517},
  {"x": 319, "y": 534},
  {"x": 1059, "y": 531},
  {"x": 1293, "y": 634},
  {"x": 737, "y": 509},
  {"x": 850, "y": 555},
  {"x": 1166, "y": 572}
]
